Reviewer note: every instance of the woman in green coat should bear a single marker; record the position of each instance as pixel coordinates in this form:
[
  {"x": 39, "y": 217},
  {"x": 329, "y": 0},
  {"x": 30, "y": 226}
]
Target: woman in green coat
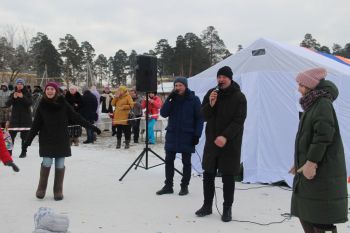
[{"x": 319, "y": 196}]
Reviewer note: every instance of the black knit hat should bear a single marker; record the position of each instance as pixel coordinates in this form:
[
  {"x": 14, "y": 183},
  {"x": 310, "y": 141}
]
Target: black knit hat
[{"x": 226, "y": 71}]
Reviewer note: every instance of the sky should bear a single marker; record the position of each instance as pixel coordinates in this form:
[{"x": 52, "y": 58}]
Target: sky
[{"x": 110, "y": 25}]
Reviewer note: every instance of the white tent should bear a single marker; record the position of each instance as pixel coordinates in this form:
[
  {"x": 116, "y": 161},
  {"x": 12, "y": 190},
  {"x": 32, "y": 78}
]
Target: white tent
[{"x": 267, "y": 78}]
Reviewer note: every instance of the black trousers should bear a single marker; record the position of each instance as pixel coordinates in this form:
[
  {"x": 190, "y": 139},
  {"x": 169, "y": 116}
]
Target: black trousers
[
  {"x": 126, "y": 129},
  {"x": 23, "y": 134},
  {"x": 209, "y": 188},
  {"x": 169, "y": 168},
  {"x": 136, "y": 129}
]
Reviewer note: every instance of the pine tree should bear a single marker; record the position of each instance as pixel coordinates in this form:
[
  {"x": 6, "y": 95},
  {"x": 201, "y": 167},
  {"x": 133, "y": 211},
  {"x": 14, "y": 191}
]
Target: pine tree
[
  {"x": 45, "y": 54},
  {"x": 215, "y": 45},
  {"x": 310, "y": 42}
]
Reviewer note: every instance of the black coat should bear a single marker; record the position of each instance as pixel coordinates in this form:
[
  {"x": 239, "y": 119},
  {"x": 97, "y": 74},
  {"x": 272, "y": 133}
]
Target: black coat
[
  {"x": 51, "y": 122},
  {"x": 75, "y": 100},
  {"x": 89, "y": 106},
  {"x": 226, "y": 119},
  {"x": 21, "y": 115}
]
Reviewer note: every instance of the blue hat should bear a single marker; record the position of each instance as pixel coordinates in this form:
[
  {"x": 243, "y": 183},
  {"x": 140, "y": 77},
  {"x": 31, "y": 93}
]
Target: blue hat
[
  {"x": 182, "y": 80},
  {"x": 20, "y": 80}
]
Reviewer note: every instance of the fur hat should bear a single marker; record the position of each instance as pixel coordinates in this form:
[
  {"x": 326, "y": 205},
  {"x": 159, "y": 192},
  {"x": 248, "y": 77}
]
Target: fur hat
[
  {"x": 226, "y": 71},
  {"x": 311, "y": 78},
  {"x": 182, "y": 80}
]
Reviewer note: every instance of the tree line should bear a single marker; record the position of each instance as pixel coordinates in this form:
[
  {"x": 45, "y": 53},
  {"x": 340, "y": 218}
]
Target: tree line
[{"x": 72, "y": 61}]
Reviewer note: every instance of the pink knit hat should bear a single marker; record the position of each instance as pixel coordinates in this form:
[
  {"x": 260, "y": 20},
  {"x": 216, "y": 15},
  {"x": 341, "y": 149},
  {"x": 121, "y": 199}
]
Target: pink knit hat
[{"x": 311, "y": 78}]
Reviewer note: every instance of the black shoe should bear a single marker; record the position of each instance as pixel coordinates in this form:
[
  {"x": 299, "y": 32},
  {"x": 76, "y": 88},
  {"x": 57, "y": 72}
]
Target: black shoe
[
  {"x": 23, "y": 154},
  {"x": 226, "y": 214},
  {"x": 183, "y": 191},
  {"x": 87, "y": 142},
  {"x": 204, "y": 211},
  {"x": 136, "y": 141},
  {"x": 119, "y": 143},
  {"x": 165, "y": 190}
]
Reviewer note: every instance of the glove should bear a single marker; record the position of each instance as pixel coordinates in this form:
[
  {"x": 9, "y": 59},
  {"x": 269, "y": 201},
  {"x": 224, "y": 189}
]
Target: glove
[
  {"x": 97, "y": 130},
  {"x": 172, "y": 95},
  {"x": 13, "y": 165},
  {"x": 195, "y": 140}
]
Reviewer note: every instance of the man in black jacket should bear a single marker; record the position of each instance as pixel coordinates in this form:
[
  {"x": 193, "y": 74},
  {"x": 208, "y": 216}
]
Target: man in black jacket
[
  {"x": 224, "y": 108},
  {"x": 88, "y": 111},
  {"x": 21, "y": 115}
]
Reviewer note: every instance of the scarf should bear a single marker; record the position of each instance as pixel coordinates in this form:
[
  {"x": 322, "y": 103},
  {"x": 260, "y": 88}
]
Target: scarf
[{"x": 312, "y": 96}]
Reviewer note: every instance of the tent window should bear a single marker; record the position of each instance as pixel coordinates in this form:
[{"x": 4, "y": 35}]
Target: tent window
[{"x": 258, "y": 52}]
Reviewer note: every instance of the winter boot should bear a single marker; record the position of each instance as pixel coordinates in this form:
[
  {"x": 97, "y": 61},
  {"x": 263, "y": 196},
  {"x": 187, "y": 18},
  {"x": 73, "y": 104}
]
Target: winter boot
[
  {"x": 127, "y": 144},
  {"x": 44, "y": 176},
  {"x": 119, "y": 143},
  {"x": 205, "y": 210},
  {"x": 76, "y": 141},
  {"x": 165, "y": 190},
  {"x": 227, "y": 214},
  {"x": 208, "y": 192},
  {"x": 58, "y": 184},
  {"x": 183, "y": 190},
  {"x": 23, "y": 154}
]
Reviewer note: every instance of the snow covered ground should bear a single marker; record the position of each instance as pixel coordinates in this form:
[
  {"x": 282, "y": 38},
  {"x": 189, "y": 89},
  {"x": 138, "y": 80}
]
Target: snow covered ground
[{"x": 96, "y": 202}]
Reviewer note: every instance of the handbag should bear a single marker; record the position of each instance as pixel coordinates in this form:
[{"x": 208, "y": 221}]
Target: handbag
[{"x": 131, "y": 116}]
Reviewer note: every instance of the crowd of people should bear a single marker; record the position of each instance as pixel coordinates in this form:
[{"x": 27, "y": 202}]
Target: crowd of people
[{"x": 319, "y": 197}]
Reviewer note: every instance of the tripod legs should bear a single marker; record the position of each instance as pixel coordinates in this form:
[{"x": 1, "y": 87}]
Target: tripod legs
[{"x": 138, "y": 160}]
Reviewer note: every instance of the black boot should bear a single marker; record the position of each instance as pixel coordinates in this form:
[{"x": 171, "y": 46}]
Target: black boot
[
  {"x": 184, "y": 190},
  {"x": 208, "y": 192},
  {"x": 119, "y": 143},
  {"x": 205, "y": 210},
  {"x": 227, "y": 214},
  {"x": 127, "y": 144},
  {"x": 23, "y": 154},
  {"x": 165, "y": 190}
]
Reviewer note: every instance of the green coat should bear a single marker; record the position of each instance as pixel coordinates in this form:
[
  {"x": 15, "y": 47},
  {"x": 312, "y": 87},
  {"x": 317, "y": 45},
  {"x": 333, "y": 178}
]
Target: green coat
[{"x": 322, "y": 200}]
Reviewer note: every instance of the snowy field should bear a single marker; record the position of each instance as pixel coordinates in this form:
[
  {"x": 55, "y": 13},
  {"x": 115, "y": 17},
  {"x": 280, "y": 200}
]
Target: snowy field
[{"x": 96, "y": 202}]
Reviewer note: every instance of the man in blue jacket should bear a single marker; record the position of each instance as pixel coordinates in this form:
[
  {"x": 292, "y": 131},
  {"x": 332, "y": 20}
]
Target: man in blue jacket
[{"x": 184, "y": 129}]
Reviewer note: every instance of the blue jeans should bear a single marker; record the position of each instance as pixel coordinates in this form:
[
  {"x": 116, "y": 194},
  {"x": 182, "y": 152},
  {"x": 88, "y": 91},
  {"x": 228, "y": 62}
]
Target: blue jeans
[
  {"x": 151, "y": 138},
  {"x": 59, "y": 162}
]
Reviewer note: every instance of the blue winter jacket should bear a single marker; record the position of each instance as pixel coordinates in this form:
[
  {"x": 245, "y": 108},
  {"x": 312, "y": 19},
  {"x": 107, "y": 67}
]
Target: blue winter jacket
[{"x": 184, "y": 122}]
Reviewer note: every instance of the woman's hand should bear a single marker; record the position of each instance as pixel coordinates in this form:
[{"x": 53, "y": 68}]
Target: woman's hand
[{"x": 308, "y": 170}]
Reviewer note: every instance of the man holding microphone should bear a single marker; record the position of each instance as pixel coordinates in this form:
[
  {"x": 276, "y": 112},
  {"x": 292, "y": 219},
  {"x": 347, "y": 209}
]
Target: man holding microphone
[
  {"x": 224, "y": 108},
  {"x": 184, "y": 129}
]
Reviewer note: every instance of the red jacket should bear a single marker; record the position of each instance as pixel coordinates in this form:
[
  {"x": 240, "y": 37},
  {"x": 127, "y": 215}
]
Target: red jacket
[
  {"x": 4, "y": 154},
  {"x": 153, "y": 108}
]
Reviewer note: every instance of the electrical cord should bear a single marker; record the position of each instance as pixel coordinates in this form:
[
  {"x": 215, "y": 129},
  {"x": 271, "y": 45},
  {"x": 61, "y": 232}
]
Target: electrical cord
[{"x": 287, "y": 216}]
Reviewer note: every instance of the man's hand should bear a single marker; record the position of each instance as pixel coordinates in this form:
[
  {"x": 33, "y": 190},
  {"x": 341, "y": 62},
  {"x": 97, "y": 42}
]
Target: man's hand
[
  {"x": 220, "y": 141},
  {"x": 20, "y": 95},
  {"x": 15, "y": 95},
  {"x": 212, "y": 98},
  {"x": 308, "y": 170}
]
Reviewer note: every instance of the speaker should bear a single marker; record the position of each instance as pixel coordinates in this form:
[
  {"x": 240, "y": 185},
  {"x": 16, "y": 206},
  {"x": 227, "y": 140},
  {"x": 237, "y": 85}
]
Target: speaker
[{"x": 146, "y": 73}]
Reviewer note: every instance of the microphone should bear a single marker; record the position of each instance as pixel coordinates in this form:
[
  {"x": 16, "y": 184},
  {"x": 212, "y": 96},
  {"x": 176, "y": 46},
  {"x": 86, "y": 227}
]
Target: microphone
[{"x": 217, "y": 88}]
